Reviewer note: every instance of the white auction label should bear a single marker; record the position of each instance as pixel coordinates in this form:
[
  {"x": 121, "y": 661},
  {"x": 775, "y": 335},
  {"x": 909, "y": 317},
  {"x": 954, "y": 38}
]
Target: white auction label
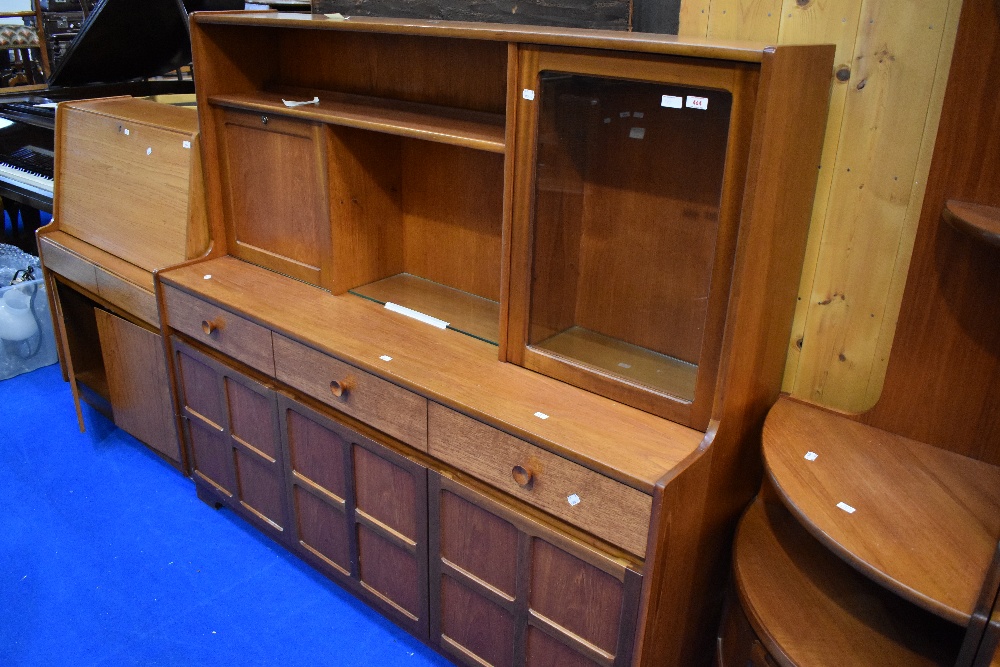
[
  {"x": 697, "y": 102},
  {"x": 672, "y": 102}
]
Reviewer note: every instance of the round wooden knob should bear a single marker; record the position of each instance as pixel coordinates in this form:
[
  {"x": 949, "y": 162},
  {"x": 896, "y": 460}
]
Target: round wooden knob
[
  {"x": 339, "y": 388},
  {"x": 211, "y": 326},
  {"x": 522, "y": 476}
]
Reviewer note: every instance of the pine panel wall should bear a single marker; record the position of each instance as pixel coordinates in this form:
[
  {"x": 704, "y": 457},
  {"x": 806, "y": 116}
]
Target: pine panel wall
[{"x": 892, "y": 64}]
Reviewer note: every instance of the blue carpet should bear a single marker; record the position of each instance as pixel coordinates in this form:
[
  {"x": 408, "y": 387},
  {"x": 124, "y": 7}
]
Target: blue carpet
[{"x": 107, "y": 557}]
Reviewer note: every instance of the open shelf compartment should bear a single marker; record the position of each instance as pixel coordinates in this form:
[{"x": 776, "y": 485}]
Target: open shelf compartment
[{"x": 921, "y": 521}]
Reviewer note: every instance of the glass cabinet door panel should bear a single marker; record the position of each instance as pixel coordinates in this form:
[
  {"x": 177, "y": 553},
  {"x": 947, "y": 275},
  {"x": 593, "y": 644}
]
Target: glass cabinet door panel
[{"x": 628, "y": 184}]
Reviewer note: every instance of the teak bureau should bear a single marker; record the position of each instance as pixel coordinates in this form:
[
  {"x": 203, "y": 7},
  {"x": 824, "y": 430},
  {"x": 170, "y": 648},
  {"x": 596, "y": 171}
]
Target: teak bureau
[{"x": 600, "y": 236}]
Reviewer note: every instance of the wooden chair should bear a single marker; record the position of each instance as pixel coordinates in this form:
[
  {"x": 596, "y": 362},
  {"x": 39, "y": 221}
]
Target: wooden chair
[{"x": 20, "y": 39}]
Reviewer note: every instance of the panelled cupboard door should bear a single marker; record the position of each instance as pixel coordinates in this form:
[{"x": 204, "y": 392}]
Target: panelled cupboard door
[
  {"x": 231, "y": 430},
  {"x": 271, "y": 167},
  {"x": 360, "y": 512},
  {"x": 138, "y": 381},
  {"x": 506, "y": 590}
]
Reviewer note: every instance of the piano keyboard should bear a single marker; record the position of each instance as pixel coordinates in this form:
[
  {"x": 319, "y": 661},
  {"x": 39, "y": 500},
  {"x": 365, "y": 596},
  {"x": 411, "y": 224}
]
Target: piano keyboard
[{"x": 26, "y": 168}]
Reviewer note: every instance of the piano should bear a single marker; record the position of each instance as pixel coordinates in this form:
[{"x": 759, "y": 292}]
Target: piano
[{"x": 125, "y": 47}]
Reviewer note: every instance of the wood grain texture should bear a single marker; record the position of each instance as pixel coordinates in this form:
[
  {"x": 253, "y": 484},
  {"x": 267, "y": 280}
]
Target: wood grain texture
[
  {"x": 390, "y": 572},
  {"x": 216, "y": 23},
  {"x": 927, "y": 521},
  {"x": 229, "y": 333},
  {"x": 387, "y": 493},
  {"x": 450, "y": 367},
  {"x": 124, "y": 179},
  {"x": 809, "y": 608},
  {"x": 474, "y": 129},
  {"x": 137, "y": 381},
  {"x": 717, "y": 483},
  {"x": 562, "y": 587},
  {"x": 480, "y": 543},
  {"x": 383, "y": 405},
  {"x": 457, "y": 74},
  {"x": 757, "y": 20},
  {"x": 135, "y": 300},
  {"x": 606, "y": 508},
  {"x": 874, "y": 178},
  {"x": 582, "y": 599},
  {"x": 946, "y": 357},
  {"x": 820, "y": 23},
  {"x": 98, "y": 257},
  {"x": 464, "y": 616},
  {"x": 452, "y": 216},
  {"x": 69, "y": 265},
  {"x": 322, "y": 529},
  {"x": 316, "y": 452},
  {"x": 270, "y": 167},
  {"x": 367, "y": 529}
]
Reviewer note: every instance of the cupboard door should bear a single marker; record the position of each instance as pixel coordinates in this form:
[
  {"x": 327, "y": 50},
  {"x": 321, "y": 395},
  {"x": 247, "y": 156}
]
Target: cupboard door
[
  {"x": 359, "y": 512},
  {"x": 508, "y": 590},
  {"x": 138, "y": 383},
  {"x": 272, "y": 166},
  {"x": 231, "y": 428}
]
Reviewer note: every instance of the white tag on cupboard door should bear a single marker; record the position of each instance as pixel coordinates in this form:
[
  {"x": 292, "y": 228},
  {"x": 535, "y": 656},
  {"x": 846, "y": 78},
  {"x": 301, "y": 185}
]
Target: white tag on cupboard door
[
  {"x": 672, "y": 102},
  {"x": 697, "y": 102},
  {"x": 528, "y": 94}
]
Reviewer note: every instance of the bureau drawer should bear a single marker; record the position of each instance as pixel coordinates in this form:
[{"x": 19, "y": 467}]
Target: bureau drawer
[
  {"x": 216, "y": 327},
  {"x": 129, "y": 297},
  {"x": 588, "y": 500},
  {"x": 57, "y": 259},
  {"x": 366, "y": 397}
]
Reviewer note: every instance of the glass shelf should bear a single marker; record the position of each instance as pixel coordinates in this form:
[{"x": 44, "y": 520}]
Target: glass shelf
[{"x": 466, "y": 313}]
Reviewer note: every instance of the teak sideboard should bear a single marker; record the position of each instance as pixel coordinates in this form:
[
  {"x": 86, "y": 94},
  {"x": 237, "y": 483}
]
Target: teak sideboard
[{"x": 493, "y": 316}]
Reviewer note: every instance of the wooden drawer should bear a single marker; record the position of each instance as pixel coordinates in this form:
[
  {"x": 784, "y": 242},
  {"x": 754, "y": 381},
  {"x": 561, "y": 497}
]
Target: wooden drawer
[
  {"x": 377, "y": 402},
  {"x": 57, "y": 259},
  {"x": 595, "y": 503},
  {"x": 218, "y": 328},
  {"x": 129, "y": 297}
]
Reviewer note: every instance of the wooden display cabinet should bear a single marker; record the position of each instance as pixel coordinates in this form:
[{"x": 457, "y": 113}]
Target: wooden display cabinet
[
  {"x": 502, "y": 515},
  {"x": 884, "y": 527},
  {"x": 627, "y": 208},
  {"x": 128, "y": 201}
]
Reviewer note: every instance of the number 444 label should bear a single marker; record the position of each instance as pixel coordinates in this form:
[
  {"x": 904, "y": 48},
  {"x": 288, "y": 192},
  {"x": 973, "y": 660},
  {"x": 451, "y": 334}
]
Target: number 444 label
[
  {"x": 678, "y": 102},
  {"x": 693, "y": 102}
]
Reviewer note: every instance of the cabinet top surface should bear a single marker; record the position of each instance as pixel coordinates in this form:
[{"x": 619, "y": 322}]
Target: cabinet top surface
[
  {"x": 920, "y": 520},
  {"x": 600, "y": 39},
  {"x": 626, "y": 444},
  {"x": 136, "y": 110}
]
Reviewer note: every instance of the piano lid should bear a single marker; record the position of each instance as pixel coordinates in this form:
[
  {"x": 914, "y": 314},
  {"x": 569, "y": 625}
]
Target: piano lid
[{"x": 131, "y": 39}]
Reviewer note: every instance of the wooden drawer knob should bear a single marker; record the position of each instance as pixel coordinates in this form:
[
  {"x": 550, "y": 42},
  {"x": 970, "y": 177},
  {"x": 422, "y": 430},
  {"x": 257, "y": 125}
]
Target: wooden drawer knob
[
  {"x": 211, "y": 326},
  {"x": 340, "y": 388},
  {"x": 522, "y": 476}
]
